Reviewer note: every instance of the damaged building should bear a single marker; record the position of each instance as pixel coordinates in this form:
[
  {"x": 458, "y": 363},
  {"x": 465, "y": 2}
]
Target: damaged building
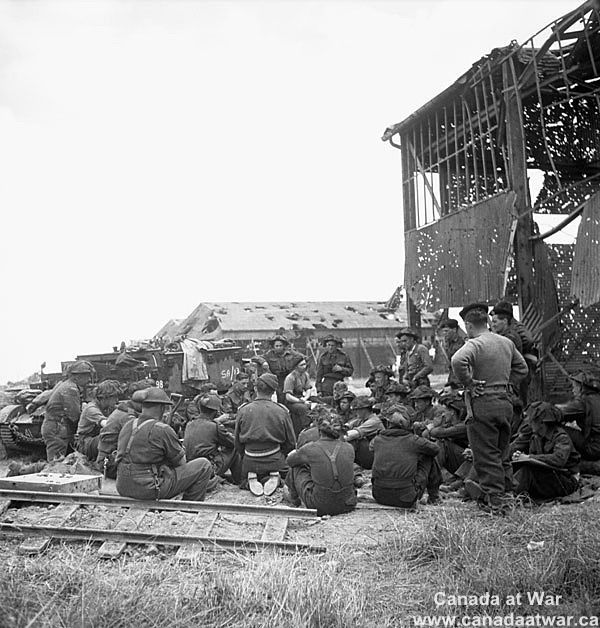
[{"x": 515, "y": 137}]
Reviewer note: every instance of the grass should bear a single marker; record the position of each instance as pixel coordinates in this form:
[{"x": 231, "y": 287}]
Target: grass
[{"x": 456, "y": 550}]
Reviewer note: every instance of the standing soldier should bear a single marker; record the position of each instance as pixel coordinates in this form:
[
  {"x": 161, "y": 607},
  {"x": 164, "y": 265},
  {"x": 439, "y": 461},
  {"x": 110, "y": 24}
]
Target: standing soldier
[
  {"x": 151, "y": 461},
  {"x": 280, "y": 360},
  {"x": 484, "y": 366},
  {"x": 263, "y": 437},
  {"x": 332, "y": 366},
  {"x": 417, "y": 363},
  {"x": 63, "y": 410},
  {"x": 452, "y": 341}
]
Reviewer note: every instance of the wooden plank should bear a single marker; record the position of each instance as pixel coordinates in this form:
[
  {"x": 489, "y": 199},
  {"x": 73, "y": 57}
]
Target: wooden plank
[
  {"x": 202, "y": 526},
  {"x": 130, "y": 521},
  {"x": 4, "y": 504},
  {"x": 160, "y": 504},
  {"x": 57, "y": 517},
  {"x": 275, "y": 529},
  {"x": 53, "y": 482}
]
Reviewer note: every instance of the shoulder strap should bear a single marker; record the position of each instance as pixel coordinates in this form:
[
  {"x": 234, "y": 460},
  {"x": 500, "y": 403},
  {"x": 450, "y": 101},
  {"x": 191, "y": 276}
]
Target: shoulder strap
[
  {"x": 135, "y": 428},
  {"x": 332, "y": 457}
]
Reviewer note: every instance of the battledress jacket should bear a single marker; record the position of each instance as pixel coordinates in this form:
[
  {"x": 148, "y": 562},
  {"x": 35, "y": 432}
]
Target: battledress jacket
[
  {"x": 203, "y": 438},
  {"x": 396, "y": 456},
  {"x": 280, "y": 365},
  {"x": 417, "y": 365},
  {"x": 262, "y": 425},
  {"x": 64, "y": 403},
  {"x": 325, "y": 371},
  {"x": 555, "y": 449},
  {"x": 109, "y": 434}
]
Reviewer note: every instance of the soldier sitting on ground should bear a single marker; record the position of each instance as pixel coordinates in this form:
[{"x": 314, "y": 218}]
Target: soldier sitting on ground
[
  {"x": 321, "y": 473},
  {"x": 263, "y": 437},
  {"x": 585, "y": 407},
  {"x": 379, "y": 381},
  {"x": 206, "y": 438},
  {"x": 546, "y": 463},
  {"x": 362, "y": 429},
  {"x": 343, "y": 406},
  {"x": 237, "y": 395},
  {"x": 94, "y": 417},
  {"x": 109, "y": 434},
  {"x": 404, "y": 463},
  {"x": 426, "y": 414},
  {"x": 295, "y": 389},
  {"x": 151, "y": 461}
]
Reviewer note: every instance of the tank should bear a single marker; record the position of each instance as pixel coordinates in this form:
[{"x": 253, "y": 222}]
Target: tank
[{"x": 21, "y": 431}]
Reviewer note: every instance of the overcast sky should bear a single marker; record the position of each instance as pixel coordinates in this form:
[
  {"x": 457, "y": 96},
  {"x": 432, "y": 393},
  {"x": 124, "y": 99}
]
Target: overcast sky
[{"x": 154, "y": 155}]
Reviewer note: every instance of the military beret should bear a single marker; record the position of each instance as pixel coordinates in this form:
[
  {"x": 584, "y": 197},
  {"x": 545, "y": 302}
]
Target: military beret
[
  {"x": 362, "y": 401},
  {"x": 211, "y": 401},
  {"x": 80, "y": 367},
  {"x": 544, "y": 412},
  {"x": 502, "y": 307},
  {"x": 448, "y": 322},
  {"x": 473, "y": 306},
  {"x": 397, "y": 415},
  {"x": 587, "y": 378},
  {"x": 408, "y": 331},
  {"x": 138, "y": 396},
  {"x": 422, "y": 392},
  {"x": 348, "y": 395},
  {"x": 299, "y": 358},
  {"x": 269, "y": 380}
]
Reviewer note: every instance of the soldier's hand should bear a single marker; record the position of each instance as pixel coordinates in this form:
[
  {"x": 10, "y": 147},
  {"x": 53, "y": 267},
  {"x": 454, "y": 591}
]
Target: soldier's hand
[
  {"x": 467, "y": 454},
  {"x": 352, "y": 435},
  {"x": 336, "y": 368},
  {"x": 517, "y": 455}
]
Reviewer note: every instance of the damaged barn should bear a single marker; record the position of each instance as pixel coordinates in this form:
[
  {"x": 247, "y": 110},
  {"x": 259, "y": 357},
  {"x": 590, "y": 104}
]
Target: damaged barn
[{"x": 517, "y": 135}]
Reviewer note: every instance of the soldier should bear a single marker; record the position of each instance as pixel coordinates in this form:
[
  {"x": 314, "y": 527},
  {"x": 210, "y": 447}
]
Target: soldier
[
  {"x": 94, "y": 417},
  {"x": 279, "y": 360},
  {"x": 484, "y": 366},
  {"x": 585, "y": 406},
  {"x": 403, "y": 463},
  {"x": 546, "y": 464},
  {"x": 63, "y": 410},
  {"x": 416, "y": 364},
  {"x": 321, "y": 473},
  {"x": 238, "y": 394},
  {"x": 344, "y": 406},
  {"x": 452, "y": 341},
  {"x": 333, "y": 365},
  {"x": 206, "y": 438},
  {"x": 362, "y": 429},
  {"x": 296, "y": 386},
  {"x": 109, "y": 434},
  {"x": 451, "y": 433},
  {"x": 263, "y": 437},
  {"x": 379, "y": 382},
  {"x": 151, "y": 461},
  {"x": 426, "y": 414}
]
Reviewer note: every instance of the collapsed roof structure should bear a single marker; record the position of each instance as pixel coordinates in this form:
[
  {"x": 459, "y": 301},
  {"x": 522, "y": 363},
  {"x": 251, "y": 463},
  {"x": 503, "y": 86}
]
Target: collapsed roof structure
[{"x": 468, "y": 156}]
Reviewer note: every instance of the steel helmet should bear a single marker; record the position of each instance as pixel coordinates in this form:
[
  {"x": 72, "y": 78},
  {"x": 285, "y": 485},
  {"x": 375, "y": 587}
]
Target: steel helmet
[
  {"x": 80, "y": 366},
  {"x": 157, "y": 395}
]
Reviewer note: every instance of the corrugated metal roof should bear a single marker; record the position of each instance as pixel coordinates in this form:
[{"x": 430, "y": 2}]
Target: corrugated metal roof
[
  {"x": 207, "y": 318},
  {"x": 585, "y": 282}
]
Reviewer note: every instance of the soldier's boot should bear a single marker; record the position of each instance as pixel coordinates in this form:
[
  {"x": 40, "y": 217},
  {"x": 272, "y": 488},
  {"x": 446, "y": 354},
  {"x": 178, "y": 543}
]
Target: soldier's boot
[
  {"x": 272, "y": 484},
  {"x": 256, "y": 488}
]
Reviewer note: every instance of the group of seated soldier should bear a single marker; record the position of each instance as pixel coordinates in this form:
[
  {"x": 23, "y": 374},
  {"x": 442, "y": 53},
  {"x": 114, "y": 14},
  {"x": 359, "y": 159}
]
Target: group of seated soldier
[{"x": 412, "y": 439}]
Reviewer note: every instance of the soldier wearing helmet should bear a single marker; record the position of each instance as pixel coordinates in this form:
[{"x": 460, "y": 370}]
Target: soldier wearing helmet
[
  {"x": 63, "y": 410},
  {"x": 94, "y": 417},
  {"x": 379, "y": 381},
  {"x": 416, "y": 363},
  {"x": 280, "y": 360},
  {"x": 362, "y": 429},
  {"x": 206, "y": 437},
  {"x": 545, "y": 460},
  {"x": 585, "y": 406},
  {"x": 151, "y": 462},
  {"x": 452, "y": 341}
]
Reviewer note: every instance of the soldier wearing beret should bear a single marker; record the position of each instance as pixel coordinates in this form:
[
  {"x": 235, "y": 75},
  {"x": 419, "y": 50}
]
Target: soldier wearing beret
[
  {"x": 264, "y": 435},
  {"x": 484, "y": 366},
  {"x": 63, "y": 410},
  {"x": 545, "y": 461},
  {"x": 151, "y": 462},
  {"x": 416, "y": 363},
  {"x": 333, "y": 366},
  {"x": 279, "y": 360}
]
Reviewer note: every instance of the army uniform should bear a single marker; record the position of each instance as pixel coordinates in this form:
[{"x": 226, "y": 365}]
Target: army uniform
[
  {"x": 451, "y": 346},
  {"x": 152, "y": 464},
  {"x": 281, "y": 365},
  {"x": 365, "y": 429},
  {"x": 232, "y": 400},
  {"x": 60, "y": 420},
  {"x": 587, "y": 438},
  {"x": 109, "y": 437},
  {"x": 297, "y": 384},
  {"x": 326, "y": 376},
  {"x": 417, "y": 366},
  {"x": 88, "y": 430},
  {"x": 322, "y": 475},
  {"x": 264, "y": 435},
  {"x": 402, "y": 467},
  {"x": 204, "y": 438},
  {"x": 493, "y": 359}
]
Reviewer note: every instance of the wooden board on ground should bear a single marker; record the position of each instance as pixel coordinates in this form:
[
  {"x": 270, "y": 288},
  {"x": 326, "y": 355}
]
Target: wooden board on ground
[
  {"x": 130, "y": 521},
  {"x": 4, "y": 504},
  {"x": 202, "y": 525},
  {"x": 275, "y": 529},
  {"x": 53, "y": 483},
  {"x": 59, "y": 515}
]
